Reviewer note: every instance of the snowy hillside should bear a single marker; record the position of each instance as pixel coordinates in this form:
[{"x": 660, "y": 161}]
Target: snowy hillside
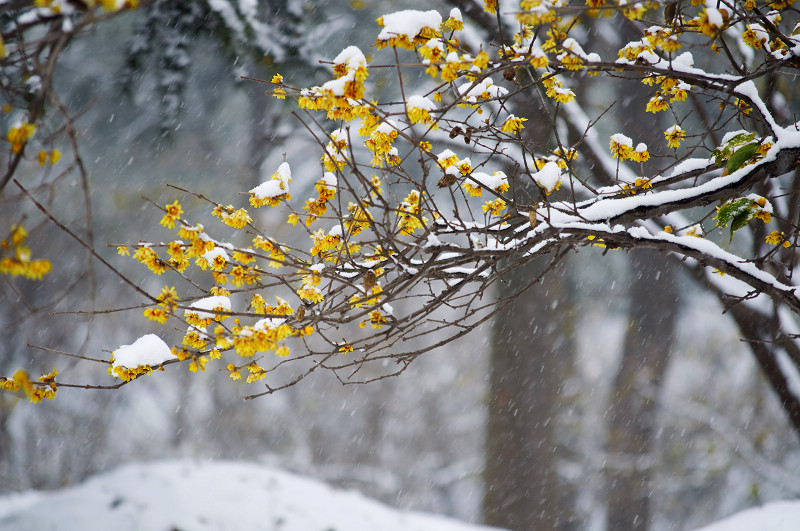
[
  {"x": 776, "y": 516},
  {"x": 208, "y": 495}
]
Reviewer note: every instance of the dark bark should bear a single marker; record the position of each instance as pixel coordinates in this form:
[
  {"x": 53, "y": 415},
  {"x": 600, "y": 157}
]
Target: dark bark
[
  {"x": 531, "y": 347},
  {"x": 632, "y": 419}
]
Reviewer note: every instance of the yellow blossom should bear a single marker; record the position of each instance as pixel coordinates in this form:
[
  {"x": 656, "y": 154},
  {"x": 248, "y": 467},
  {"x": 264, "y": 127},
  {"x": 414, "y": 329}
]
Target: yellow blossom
[
  {"x": 495, "y": 207},
  {"x": 481, "y": 60},
  {"x": 657, "y": 103},
  {"x": 312, "y": 295},
  {"x": 513, "y": 125},
  {"x": 674, "y": 136},
  {"x": 20, "y": 134},
  {"x": 234, "y": 374},
  {"x": 775, "y": 237},
  {"x": 621, "y": 147},
  {"x": 173, "y": 214}
]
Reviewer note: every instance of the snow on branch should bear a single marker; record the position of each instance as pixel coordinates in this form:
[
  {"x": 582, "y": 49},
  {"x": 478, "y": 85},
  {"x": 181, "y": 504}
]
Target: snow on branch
[{"x": 467, "y": 164}]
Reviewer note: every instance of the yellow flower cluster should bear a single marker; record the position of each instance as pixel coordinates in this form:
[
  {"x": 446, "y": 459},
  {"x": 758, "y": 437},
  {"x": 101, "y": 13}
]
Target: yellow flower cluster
[
  {"x": 316, "y": 207},
  {"x": 19, "y": 135},
  {"x": 763, "y": 209},
  {"x": 674, "y": 135},
  {"x": 277, "y": 256},
  {"x": 670, "y": 90},
  {"x": 622, "y": 148},
  {"x": 665, "y": 39},
  {"x": 409, "y": 216},
  {"x": 310, "y": 294},
  {"x": 147, "y": 256},
  {"x": 513, "y": 125},
  {"x": 48, "y": 158},
  {"x": 536, "y": 13},
  {"x": 557, "y": 91},
  {"x": 637, "y": 10},
  {"x": 778, "y": 237},
  {"x": 340, "y": 96},
  {"x": 326, "y": 244},
  {"x": 638, "y": 185},
  {"x": 16, "y": 257},
  {"x": 20, "y": 263},
  {"x": 335, "y": 153},
  {"x": 395, "y": 37},
  {"x": 380, "y": 143},
  {"x": 419, "y": 109},
  {"x": 477, "y": 181},
  {"x": 168, "y": 302},
  {"x": 44, "y": 387},
  {"x": 275, "y": 190},
  {"x": 265, "y": 336},
  {"x": 711, "y": 21},
  {"x": 199, "y": 243},
  {"x": 173, "y": 214},
  {"x": 126, "y": 374},
  {"x": 494, "y": 208},
  {"x": 376, "y": 318},
  {"x": 278, "y": 92},
  {"x": 231, "y": 217},
  {"x": 357, "y": 220}
]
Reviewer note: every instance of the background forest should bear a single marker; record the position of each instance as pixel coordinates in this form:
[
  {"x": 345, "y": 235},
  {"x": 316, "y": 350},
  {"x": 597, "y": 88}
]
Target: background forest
[{"x": 691, "y": 433}]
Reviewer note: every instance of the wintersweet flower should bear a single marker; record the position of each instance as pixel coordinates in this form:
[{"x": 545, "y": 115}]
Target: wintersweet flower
[
  {"x": 640, "y": 154},
  {"x": 278, "y": 92},
  {"x": 408, "y": 29},
  {"x": 419, "y": 108},
  {"x": 621, "y": 146},
  {"x": 19, "y": 134},
  {"x": 778, "y": 237},
  {"x": 674, "y": 136},
  {"x": 173, "y": 214},
  {"x": 513, "y": 125},
  {"x": 494, "y": 208}
]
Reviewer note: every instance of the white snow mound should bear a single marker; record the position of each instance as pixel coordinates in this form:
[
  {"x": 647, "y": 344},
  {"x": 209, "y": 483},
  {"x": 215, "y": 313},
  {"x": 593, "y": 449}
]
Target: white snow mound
[{"x": 205, "y": 495}]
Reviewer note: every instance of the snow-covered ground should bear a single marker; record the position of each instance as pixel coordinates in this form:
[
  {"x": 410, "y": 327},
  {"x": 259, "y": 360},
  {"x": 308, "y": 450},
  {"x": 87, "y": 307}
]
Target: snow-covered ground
[
  {"x": 776, "y": 516},
  {"x": 227, "y": 495},
  {"x": 209, "y": 495}
]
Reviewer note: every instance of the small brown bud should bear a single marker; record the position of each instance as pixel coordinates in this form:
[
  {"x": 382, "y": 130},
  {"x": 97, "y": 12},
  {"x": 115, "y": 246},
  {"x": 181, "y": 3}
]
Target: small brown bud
[
  {"x": 446, "y": 180},
  {"x": 370, "y": 280},
  {"x": 670, "y": 12},
  {"x": 299, "y": 313},
  {"x": 455, "y": 132},
  {"x": 532, "y": 217},
  {"x": 510, "y": 73}
]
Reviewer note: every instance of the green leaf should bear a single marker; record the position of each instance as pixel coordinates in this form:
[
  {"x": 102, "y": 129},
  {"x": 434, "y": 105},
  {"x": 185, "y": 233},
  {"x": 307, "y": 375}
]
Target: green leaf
[
  {"x": 737, "y": 212},
  {"x": 725, "y": 151},
  {"x": 731, "y": 209},
  {"x": 742, "y": 155},
  {"x": 740, "y": 220}
]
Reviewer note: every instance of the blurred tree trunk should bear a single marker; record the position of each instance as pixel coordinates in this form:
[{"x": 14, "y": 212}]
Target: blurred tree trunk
[
  {"x": 531, "y": 349},
  {"x": 632, "y": 419},
  {"x": 648, "y": 341}
]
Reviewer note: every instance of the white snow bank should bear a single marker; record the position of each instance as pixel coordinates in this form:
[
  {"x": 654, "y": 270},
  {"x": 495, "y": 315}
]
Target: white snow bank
[
  {"x": 205, "y": 495},
  {"x": 775, "y": 516}
]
